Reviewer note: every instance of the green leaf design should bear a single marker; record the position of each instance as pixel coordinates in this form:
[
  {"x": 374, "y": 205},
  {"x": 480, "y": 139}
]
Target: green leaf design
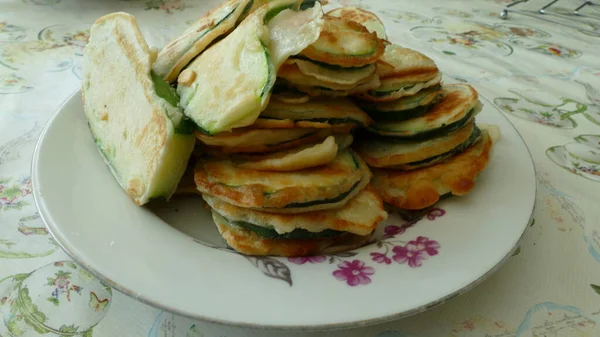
[
  {"x": 71, "y": 329},
  {"x": 88, "y": 333},
  {"x": 54, "y": 301},
  {"x": 14, "y": 327},
  {"x": 27, "y": 306},
  {"x": 596, "y": 288}
]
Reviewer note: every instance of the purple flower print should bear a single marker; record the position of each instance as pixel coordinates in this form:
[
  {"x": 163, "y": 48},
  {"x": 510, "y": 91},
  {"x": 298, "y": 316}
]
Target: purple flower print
[
  {"x": 309, "y": 259},
  {"x": 393, "y": 230},
  {"x": 409, "y": 253},
  {"x": 381, "y": 258},
  {"x": 429, "y": 246},
  {"x": 435, "y": 213},
  {"x": 354, "y": 273}
]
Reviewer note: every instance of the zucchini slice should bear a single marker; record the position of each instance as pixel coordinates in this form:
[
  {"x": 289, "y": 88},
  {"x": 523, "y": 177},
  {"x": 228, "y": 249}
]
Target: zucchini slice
[
  {"x": 262, "y": 140},
  {"x": 363, "y": 17},
  {"x": 400, "y": 62},
  {"x": 459, "y": 103},
  {"x": 392, "y": 89},
  {"x": 324, "y": 187},
  {"x": 196, "y": 38},
  {"x": 143, "y": 137},
  {"x": 287, "y": 94},
  {"x": 398, "y": 109},
  {"x": 248, "y": 242},
  {"x": 307, "y": 156},
  {"x": 421, "y": 188},
  {"x": 345, "y": 43},
  {"x": 359, "y": 216},
  {"x": 339, "y": 113},
  {"x": 230, "y": 83},
  {"x": 290, "y": 72},
  {"x": 385, "y": 152},
  {"x": 342, "y": 76},
  {"x": 371, "y": 84}
]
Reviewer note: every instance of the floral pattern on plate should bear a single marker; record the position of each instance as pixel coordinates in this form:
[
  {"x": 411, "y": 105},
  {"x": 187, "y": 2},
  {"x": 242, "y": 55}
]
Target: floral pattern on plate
[
  {"x": 352, "y": 269},
  {"x": 11, "y": 33},
  {"x": 59, "y": 299},
  {"x": 541, "y": 108},
  {"x": 452, "y": 12},
  {"x": 167, "y": 324},
  {"x": 64, "y": 35},
  {"x": 581, "y": 157},
  {"x": 479, "y": 325}
]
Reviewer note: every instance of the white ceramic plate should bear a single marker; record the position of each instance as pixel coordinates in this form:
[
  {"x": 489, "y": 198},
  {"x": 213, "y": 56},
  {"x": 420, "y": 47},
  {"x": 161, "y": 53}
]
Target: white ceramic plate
[{"x": 170, "y": 263}]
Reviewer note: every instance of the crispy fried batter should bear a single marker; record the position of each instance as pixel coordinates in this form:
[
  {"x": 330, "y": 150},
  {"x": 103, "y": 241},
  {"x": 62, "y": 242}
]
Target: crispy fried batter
[
  {"x": 380, "y": 152},
  {"x": 422, "y": 188},
  {"x": 335, "y": 32},
  {"x": 359, "y": 216},
  {"x": 249, "y": 243},
  {"x": 261, "y": 140},
  {"x": 318, "y": 188}
]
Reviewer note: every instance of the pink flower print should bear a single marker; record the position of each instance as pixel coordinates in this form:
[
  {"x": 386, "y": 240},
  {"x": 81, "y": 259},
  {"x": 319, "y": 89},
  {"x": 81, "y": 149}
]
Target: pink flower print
[
  {"x": 381, "y": 258},
  {"x": 435, "y": 213},
  {"x": 309, "y": 259},
  {"x": 354, "y": 273},
  {"x": 409, "y": 253},
  {"x": 429, "y": 246},
  {"x": 393, "y": 230}
]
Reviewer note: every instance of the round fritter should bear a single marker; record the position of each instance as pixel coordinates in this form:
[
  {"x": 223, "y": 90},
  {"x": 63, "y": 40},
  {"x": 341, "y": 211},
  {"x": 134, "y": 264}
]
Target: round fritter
[
  {"x": 359, "y": 216},
  {"x": 324, "y": 187},
  {"x": 298, "y": 158},
  {"x": 458, "y": 104},
  {"x": 392, "y": 89},
  {"x": 338, "y": 113},
  {"x": 249, "y": 140},
  {"x": 291, "y": 73},
  {"x": 404, "y": 63},
  {"x": 345, "y": 43},
  {"x": 363, "y": 17},
  {"x": 384, "y": 152},
  {"x": 359, "y": 89},
  {"x": 249, "y": 243},
  {"x": 423, "y": 187},
  {"x": 337, "y": 75},
  {"x": 389, "y": 110}
]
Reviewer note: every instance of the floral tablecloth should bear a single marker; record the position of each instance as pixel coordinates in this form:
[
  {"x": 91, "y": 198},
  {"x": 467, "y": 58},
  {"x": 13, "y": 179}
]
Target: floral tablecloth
[{"x": 544, "y": 77}]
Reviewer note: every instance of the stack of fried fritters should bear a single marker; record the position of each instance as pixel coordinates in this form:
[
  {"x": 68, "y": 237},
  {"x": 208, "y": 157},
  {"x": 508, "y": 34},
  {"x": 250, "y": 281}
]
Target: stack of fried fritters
[
  {"x": 424, "y": 143},
  {"x": 289, "y": 184}
]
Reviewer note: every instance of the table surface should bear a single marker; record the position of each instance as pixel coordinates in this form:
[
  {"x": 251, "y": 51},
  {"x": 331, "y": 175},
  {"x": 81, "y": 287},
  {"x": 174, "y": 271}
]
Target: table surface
[{"x": 543, "y": 76}]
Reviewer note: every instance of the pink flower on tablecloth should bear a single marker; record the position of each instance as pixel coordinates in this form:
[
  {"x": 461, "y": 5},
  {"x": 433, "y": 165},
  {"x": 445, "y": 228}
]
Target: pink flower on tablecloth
[
  {"x": 354, "y": 273},
  {"x": 307, "y": 259},
  {"x": 380, "y": 258},
  {"x": 435, "y": 213},
  {"x": 429, "y": 246},
  {"x": 393, "y": 230},
  {"x": 409, "y": 253}
]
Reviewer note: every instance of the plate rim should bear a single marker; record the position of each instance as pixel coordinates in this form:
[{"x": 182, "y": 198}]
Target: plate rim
[{"x": 45, "y": 216}]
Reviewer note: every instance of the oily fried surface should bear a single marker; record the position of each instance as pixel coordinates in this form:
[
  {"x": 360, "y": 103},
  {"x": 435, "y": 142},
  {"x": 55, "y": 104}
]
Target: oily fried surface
[
  {"x": 381, "y": 152},
  {"x": 249, "y": 243},
  {"x": 423, "y": 187},
  {"x": 261, "y": 140},
  {"x": 283, "y": 191},
  {"x": 331, "y": 46},
  {"x": 399, "y": 62},
  {"x": 359, "y": 216},
  {"x": 339, "y": 113}
]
